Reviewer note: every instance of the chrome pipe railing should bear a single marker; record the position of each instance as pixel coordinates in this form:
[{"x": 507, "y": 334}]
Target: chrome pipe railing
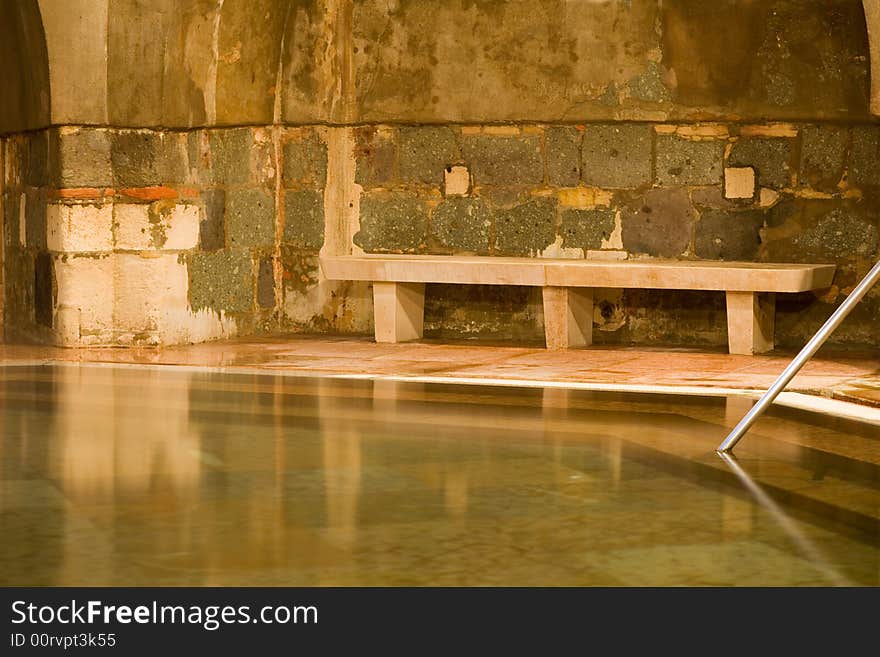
[{"x": 800, "y": 360}]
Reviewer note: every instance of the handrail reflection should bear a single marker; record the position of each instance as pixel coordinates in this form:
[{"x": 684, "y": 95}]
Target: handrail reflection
[{"x": 785, "y": 522}]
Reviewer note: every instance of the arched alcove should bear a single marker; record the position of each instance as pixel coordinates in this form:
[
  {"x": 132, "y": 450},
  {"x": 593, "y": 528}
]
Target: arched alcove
[
  {"x": 276, "y": 127},
  {"x": 872, "y": 20},
  {"x": 227, "y": 62},
  {"x": 24, "y": 67}
]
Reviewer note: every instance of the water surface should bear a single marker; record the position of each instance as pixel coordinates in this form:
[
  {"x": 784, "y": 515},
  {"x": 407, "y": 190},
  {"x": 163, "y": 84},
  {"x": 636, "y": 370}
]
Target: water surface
[{"x": 137, "y": 476}]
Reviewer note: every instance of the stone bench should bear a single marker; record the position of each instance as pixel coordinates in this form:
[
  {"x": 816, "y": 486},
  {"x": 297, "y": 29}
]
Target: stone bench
[{"x": 567, "y": 286}]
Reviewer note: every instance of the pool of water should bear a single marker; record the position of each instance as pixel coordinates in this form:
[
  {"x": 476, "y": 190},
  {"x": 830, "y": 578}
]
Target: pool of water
[{"x": 136, "y": 476}]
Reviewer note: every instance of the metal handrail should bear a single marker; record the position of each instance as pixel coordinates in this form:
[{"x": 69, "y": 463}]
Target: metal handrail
[{"x": 800, "y": 360}]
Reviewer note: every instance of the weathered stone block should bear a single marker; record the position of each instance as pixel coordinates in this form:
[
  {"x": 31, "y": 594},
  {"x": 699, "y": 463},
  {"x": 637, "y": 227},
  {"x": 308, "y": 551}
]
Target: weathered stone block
[
  {"x": 771, "y": 159},
  {"x": 163, "y": 225},
  {"x": 36, "y": 173},
  {"x": 305, "y": 161},
  {"x": 35, "y": 218},
  {"x": 152, "y": 302},
  {"x": 687, "y": 161},
  {"x": 586, "y": 229},
  {"x": 221, "y": 281},
  {"x": 562, "y": 148},
  {"x": 174, "y": 226},
  {"x": 300, "y": 272},
  {"x": 504, "y": 160},
  {"x": 819, "y": 230},
  {"x": 139, "y": 294},
  {"x": 198, "y": 155},
  {"x": 659, "y": 224},
  {"x": 508, "y": 312},
  {"x": 80, "y": 157},
  {"x": 266, "y": 283},
  {"x": 864, "y": 162},
  {"x": 13, "y": 148},
  {"x": 739, "y": 182},
  {"x": 250, "y": 217},
  {"x": 456, "y": 181},
  {"x": 463, "y": 223},
  {"x": 823, "y": 156},
  {"x": 840, "y": 233},
  {"x": 18, "y": 298},
  {"x": 11, "y": 212},
  {"x": 649, "y": 85},
  {"x": 392, "y": 223},
  {"x": 21, "y": 220},
  {"x": 231, "y": 155},
  {"x": 131, "y": 226},
  {"x": 426, "y": 152},
  {"x": 86, "y": 283},
  {"x": 617, "y": 156},
  {"x": 376, "y": 156},
  {"x": 44, "y": 302},
  {"x": 526, "y": 229},
  {"x": 79, "y": 228},
  {"x": 722, "y": 235},
  {"x": 141, "y": 158},
  {"x": 304, "y": 218},
  {"x": 212, "y": 230}
]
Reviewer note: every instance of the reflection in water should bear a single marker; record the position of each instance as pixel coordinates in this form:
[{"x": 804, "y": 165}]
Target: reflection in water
[
  {"x": 110, "y": 441},
  {"x": 786, "y": 523},
  {"x": 139, "y": 476},
  {"x": 341, "y": 447}
]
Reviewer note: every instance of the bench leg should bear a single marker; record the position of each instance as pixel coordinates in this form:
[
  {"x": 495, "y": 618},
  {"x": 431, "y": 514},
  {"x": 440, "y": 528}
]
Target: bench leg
[
  {"x": 398, "y": 311},
  {"x": 750, "y": 322},
  {"x": 568, "y": 317}
]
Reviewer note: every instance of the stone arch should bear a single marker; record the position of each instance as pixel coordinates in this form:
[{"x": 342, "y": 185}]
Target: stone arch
[
  {"x": 172, "y": 64},
  {"x": 24, "y": 67},
  {"x": 872, "y": 21}
]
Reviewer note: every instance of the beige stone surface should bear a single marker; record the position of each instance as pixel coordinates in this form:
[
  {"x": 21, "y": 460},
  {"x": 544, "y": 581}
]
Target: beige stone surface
[
  {"x": 131, "y": 226},
  {"x": 139, "y": 284},
  {"x": 182, "y": 228},
  {"x": 86, "y": 284},
  {"x": 767, "y": 197},
  {"x": 138, "y": 227},
  {"x": 750, "y": 322},
  {"x": 436, "y": 269},
  {"x": 22, "y": 221},
  {"x": 872, "y": 18},
  {"x": 457, "y": 181},
  {"x": 79, "y": 228},
  {"x": 399, "y": 310},
  {"x": 646, "y": 273},
  {"x": 739, "y": 182},
  {"x": 130, "y": 298},
  {"x": 76, "y": 41},
  {"x": 568, "y": 317},
  {"x": 67, "y": 324}
]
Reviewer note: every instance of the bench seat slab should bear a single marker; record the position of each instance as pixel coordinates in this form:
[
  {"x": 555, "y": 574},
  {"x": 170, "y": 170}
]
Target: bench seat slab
[
  {"x": 398, "y": 311},
  {"x": 568, "y": 317},
  {"x": 750, "y": 322}
]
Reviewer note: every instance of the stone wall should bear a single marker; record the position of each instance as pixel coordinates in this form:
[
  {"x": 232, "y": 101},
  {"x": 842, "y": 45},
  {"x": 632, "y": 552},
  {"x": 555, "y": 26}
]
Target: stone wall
[
  {"x": 203, "y": 153},
  {"x": 773, "y": 192},
  {"x": 122, "y": 236}
]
